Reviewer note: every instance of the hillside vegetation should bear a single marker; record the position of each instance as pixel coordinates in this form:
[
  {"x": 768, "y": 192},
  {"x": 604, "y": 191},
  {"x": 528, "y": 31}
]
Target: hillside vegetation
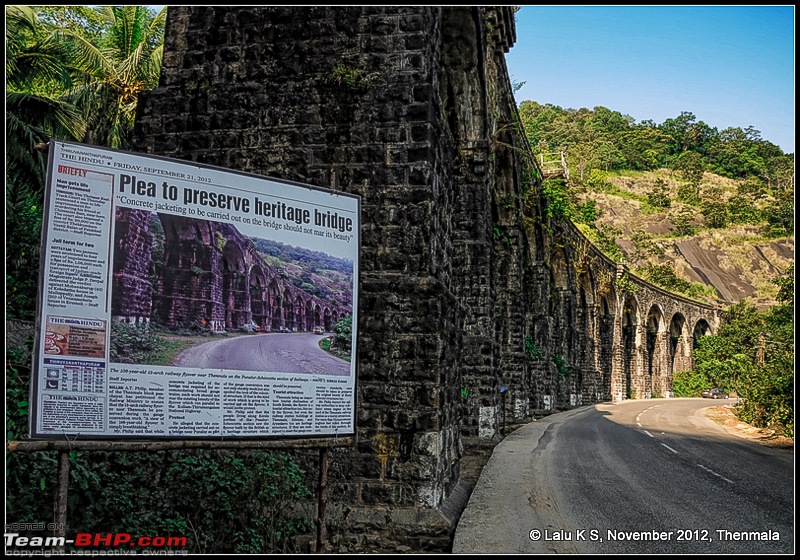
[
  {"x": 698, "y": 211},
  {"x": 719, "y": 247},
  {"x": 315, "y": 272}
]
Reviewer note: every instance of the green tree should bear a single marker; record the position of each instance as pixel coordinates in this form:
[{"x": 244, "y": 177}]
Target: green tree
[
  {"x": 644, "y": 246},
  {"x": 125, "y": 62},
  {"x": 739, "y": 153},
  {"x": 683, "y": 220},
  {"x": 39, "y": 72},
  {"x": 742, "y": 211},
  {"x": 644, "y": 147},
  {"x": 785, "y": 285},
  {"x": 687, "y": 134},
  {"x": 714, "y": 209},
  {"x": 343, "y": 335},
  {"x": 583, "y": 158},
  {"x": 768, "y": 388},
  {"x": 780, "y": 214},
  {"x": 720, "y": 361},
  {"x": 752, "y": 189},
  {"x": 587, "y": 213},
  {"x": 780, "y": 172},
  {"x": 690, "y": 167},
  {"x": 558, "y": 201},
  {"x": 753, "y": 353},
  {"x": 678, "y": 129},
  {"x": 664, "y": 275},
  {"x": 658, "y": 196},
  {"x": 689, "y": 193},
  {"x": 72, "y": 73}
]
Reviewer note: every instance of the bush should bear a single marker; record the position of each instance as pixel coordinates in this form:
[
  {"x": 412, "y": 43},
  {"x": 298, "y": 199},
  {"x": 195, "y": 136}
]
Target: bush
[
  {"x": 224, "y": 502},
  {"x": 658, "y": 196},
  {"x": 742, "y": 211},
  {"x": 588, "y": 213},
  {"x": 557, "y": 200},
  {"x": 598, "y": 181},
  {"x": 768, "y": 392},
  {"x": 682, "y": 220},
  {"x": 231, "y": 502},
  {"x": 690, "y": 166},
  {"x": 689, "y": 194},
  {"x": 689, "y": 383},
  {"x": 780, "y": 215},
  {"x": 133, "y": 344},
  {"x": 664, "y": 275},
  {"x": 715, "y": 212},
  {"x": 343, "y": 335},
  {"x": 753, "y": 354}
]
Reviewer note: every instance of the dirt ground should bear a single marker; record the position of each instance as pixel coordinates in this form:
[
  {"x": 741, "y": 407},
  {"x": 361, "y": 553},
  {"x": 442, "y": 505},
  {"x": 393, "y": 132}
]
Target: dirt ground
[{"x": 726, "y": 417}]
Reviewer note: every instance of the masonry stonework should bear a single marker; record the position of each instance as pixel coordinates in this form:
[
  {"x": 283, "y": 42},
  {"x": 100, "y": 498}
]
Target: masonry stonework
[{"x": 474, "y": 307}]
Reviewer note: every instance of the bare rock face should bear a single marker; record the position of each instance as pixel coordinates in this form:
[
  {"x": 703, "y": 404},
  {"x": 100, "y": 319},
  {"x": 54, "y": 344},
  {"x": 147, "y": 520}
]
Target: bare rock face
[
  {"x": 707, "y": 265},
  {"x": 734, "y": 261}
]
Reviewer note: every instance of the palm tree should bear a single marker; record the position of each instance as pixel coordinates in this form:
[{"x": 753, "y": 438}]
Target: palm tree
[
  {"x": 62, "y": 85},
  {"x": 39, "y": 72},
  {"x": 125, "y": 63}
]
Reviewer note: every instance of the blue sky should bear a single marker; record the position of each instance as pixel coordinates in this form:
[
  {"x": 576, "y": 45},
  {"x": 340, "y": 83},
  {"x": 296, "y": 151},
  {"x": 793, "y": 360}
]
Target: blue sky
[{"x": 731, "y": 66}]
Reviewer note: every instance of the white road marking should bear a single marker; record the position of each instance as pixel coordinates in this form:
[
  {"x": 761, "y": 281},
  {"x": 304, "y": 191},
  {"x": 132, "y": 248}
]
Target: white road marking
[
  {"x": 668, "y": 447},
  {"x": 715, "y": 474}
]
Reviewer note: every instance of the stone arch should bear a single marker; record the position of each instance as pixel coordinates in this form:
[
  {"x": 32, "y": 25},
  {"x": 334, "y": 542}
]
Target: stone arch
[
  {"x": 606, "y": 327},
  {"x": 589, "y": 382},
  {"x": 629, "y": 322},
  {"x": 701, "y": 328},
  {"x": 559, "y": 269},
  {"x": 680, "y": 348},
  {"x": 300, "y": 314},
  {"x": 235, "y": 288},
  {"x": 563, "y": 304},
  {"x": 189, "y": 290},
  {"x": 311, "y": 323},
  {"x": 259, "y": 299},
  {"x": 461, "y": 86},
  {"x": 656, "y": 353},
  {"x": 137, "y": 237},
  {"x": 316, "y": 313},
  {"x": 275, "y": 298},
  {"x": 288, "y": 310},
  {"x": 327, "y": 319}
]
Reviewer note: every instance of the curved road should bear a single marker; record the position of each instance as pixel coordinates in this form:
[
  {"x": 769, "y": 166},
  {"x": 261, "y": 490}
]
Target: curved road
[
  {"x": 281, "y": 352},
  {"x": 638, "y": 477}
]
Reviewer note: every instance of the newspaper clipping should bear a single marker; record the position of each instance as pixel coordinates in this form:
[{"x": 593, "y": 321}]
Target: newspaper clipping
[{"x": 188, "y": 301}]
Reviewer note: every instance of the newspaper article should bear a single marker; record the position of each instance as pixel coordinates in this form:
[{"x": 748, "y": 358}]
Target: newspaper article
[{"x": 188, "y": 301}]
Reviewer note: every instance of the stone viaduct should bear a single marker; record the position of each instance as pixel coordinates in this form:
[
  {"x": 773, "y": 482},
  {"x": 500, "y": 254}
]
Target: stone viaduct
[
  {"x": 210, "y": 275},
  {"x": 474, "y": 305}
]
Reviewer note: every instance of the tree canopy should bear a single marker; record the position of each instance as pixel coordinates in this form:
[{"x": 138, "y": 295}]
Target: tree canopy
[
  {"x": 72, "y": 73},
  {"x": 610, "y": 140}
]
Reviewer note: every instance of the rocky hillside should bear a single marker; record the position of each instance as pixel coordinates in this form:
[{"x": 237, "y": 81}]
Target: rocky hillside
[{"x": 651, "y": 223}]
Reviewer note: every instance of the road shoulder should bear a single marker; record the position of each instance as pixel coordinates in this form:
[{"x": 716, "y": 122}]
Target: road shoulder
[{"x": 725, "y": 416}]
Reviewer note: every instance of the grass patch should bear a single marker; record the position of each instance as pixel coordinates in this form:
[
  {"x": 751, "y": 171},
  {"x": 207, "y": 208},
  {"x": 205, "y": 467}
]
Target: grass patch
[
  {"x": 170, "y": 348},
  {"x": 325, "y": 344}
]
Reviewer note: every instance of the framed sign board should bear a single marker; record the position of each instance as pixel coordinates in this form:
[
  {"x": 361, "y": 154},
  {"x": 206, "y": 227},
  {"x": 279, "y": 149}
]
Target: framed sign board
[{"x": 179, "y": 300}]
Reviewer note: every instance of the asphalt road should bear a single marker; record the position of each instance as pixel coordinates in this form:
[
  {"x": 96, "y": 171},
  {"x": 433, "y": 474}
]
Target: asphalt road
[
  {"x": 272, "y": 352},
  {"x": 638, "y": 477}
]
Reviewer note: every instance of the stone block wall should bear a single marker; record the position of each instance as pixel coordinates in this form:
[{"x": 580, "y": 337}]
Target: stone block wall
[{"x": 473, "y": 306}]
